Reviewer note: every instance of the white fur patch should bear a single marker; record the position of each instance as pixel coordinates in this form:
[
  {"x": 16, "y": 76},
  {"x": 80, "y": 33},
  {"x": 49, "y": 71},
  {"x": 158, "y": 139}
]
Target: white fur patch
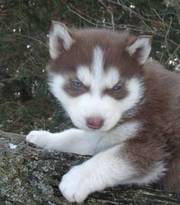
[
  {"x": 106, "y": 169},
  {"x": 71, "y": 140},
  {"x": 84, "y": 75},
  {"x": 118, "y": 135},
  {"x": 97, "y": 71},
  {"x": 97, "y": 64},
  {"x": 112, "y": 77},
  {"x": 144, "y": 44},
  {"x": 59, "y": 31},
  {"x": 136, "y": 91},
  {"x": 84, "y": 142},
  {"x": 56, "y": 83}
]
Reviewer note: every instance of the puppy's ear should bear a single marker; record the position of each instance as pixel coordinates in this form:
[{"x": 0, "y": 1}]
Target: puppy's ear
[
  {"x": 60, "y": 39},
  {"x": 140, "y": 48}
]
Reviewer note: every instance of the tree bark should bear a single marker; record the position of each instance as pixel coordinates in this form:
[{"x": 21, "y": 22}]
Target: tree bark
[{"x": 29, "y": 175}]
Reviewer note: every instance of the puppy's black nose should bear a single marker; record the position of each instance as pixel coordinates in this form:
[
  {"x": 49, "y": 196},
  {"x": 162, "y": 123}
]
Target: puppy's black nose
[{"x": 94, "y": 122}]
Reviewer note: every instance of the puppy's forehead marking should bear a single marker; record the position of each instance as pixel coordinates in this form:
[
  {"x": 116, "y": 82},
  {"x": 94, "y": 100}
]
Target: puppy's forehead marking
[
  {"x": 97, "y": 71},
  {"x": 101, "y": 78},
  {"x": 92, "y": 75},
  {"x": 95, "y": 76},
  {"x": 98, "y": 63}
]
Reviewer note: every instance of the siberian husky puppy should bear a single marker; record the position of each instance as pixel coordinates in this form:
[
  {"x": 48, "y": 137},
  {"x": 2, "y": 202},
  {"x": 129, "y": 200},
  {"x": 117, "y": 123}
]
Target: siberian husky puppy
[{"x": 126, "y": 108}]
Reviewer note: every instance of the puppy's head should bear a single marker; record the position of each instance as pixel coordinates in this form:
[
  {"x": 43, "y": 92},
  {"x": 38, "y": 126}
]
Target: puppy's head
[{"x": 97, "y": 75}]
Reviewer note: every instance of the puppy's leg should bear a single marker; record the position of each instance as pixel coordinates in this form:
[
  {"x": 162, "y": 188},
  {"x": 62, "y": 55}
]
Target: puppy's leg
[
  {"x": 106, "y": 169},
  {"x": 72, "y": 140}
]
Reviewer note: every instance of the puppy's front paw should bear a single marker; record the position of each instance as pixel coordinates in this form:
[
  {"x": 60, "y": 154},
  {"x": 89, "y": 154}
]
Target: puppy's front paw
[
  {"x": 75, "y": 185},
  {"x": 39, "y": 138}
]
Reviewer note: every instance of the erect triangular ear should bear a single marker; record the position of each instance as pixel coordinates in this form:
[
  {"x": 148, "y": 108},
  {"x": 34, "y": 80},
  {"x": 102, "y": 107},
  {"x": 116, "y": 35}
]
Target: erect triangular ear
[
  {"x": 59, "y": 39},
  {"x": 140, "y": 48}
]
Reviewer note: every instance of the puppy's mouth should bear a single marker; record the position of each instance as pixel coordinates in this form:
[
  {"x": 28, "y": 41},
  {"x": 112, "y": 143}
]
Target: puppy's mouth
[{"x": 103, "y": 128}]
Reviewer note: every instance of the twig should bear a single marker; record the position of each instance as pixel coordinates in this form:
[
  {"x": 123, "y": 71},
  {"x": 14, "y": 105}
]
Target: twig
[
  {"x": 32, "y": 38},
  {"x": 132, "y": 11},
  {"x": 171, "y": 55},
  {"x": 166, "y": 39},
  {"x": 109, "y": 10},
  {"x": 80, "y": 16}
]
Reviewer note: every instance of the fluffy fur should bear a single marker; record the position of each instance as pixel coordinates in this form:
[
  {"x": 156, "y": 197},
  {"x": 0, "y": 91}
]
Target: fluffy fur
[{"x": 107, "y": 76}]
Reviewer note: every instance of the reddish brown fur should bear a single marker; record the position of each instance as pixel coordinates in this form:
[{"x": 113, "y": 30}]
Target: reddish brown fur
[
  {"x": 159, "y": 140},
  {"x": 113, "y": 45}
]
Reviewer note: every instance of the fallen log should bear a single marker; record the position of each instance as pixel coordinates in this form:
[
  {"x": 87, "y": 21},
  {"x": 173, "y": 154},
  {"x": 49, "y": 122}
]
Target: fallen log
[{"x": 29, "y": 175}]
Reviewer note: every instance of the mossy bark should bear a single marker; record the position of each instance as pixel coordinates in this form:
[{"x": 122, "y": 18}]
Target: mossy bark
[{"x": 29, "y": 175}]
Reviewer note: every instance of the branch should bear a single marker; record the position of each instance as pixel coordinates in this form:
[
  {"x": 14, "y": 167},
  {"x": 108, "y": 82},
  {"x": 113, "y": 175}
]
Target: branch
[{"x": 29, "y": 175}]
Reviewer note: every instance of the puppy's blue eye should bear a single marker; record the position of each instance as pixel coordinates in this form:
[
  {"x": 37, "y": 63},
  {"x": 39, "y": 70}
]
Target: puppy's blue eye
[
  {"x": 77, "y": 83},
  {"x": 117, "y": 87}
]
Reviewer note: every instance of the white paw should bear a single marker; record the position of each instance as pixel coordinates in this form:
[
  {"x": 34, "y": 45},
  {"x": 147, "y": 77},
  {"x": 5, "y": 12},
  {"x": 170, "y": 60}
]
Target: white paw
[
  {"x": 39, "y": 138},
  {"x": 75, "y": 185}
]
